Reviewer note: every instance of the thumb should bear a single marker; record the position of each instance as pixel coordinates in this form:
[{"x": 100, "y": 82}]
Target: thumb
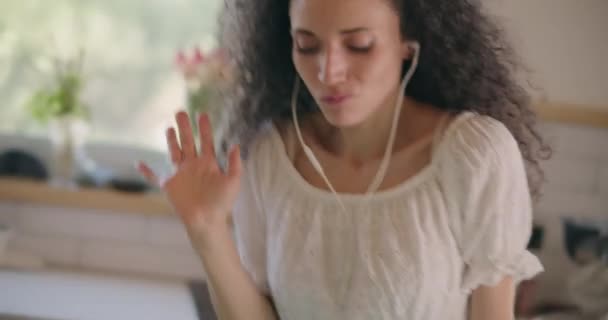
[
  {"x": 148, "y": 173},
  {"x": 234, "y": 163}
]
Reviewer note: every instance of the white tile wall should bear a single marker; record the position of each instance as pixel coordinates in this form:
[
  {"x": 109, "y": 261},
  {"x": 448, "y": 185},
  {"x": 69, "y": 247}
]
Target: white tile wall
[
  {"x": 8, "y": 213},
  {"x": 167, "y": 231},
  {"x": 141, "y": 258},
  {"x": 81, "y": 223},
  {"x": 577, "y": 141},
  {"x": 556, "y": 203},
  {"x": 576, "y": 174},
  {"x": 115, "y": 242},
  {"x": 103, "y": 240},
  {"x": 53, "y": 249},
  {"x": 570, "y": 175}
]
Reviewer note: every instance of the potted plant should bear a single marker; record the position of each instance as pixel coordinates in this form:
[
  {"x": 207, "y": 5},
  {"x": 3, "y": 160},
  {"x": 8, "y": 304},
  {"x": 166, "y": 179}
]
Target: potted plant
[{"x": 59, "y": 107}]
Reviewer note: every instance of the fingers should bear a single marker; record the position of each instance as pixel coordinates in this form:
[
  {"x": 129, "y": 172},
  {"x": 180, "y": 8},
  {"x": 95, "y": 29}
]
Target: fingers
[
  {"x": 185, "y": 135},
  {"x": 174, "y": 150},
  {"x": 234, "y": 163},
  {"x": 148, "y": 174},
  {"x": 206, "y": 135}
]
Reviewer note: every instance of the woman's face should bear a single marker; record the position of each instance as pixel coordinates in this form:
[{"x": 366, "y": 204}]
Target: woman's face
[{"x": 349, "y": 54}]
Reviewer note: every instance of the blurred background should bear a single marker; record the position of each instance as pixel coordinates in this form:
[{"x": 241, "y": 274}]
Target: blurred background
[
  {"x": 87, "y": 88},
  {"x": 129, "y": 76}
]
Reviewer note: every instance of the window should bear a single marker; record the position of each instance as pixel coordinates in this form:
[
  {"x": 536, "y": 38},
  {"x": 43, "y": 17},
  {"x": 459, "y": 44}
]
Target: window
[{"x": 131, "y": 84}]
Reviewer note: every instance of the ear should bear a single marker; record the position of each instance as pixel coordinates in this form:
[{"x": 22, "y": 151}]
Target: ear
[
  {"x": 406, "y": 50},
  {"x": 409, "y": 49}
]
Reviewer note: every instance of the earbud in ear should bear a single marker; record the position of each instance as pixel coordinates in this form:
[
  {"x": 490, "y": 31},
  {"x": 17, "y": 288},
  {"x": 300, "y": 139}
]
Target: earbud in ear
[
  {"x": 415, "y": 45},
  {"x": 414, "y": 48}
]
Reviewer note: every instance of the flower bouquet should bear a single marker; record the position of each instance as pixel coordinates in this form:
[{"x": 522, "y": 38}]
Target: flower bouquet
[{"x": 206, "y": 75}]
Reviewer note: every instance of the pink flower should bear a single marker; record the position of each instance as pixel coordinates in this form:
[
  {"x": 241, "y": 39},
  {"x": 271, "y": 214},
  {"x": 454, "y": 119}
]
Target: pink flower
[
  {"x": 198, "y": 56},
  {"x": 180, "y": 59},
  {"x": 200, "y": 69}
]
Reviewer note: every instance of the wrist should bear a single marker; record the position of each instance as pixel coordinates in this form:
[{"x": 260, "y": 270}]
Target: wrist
[{"x": 212, "y": 239}]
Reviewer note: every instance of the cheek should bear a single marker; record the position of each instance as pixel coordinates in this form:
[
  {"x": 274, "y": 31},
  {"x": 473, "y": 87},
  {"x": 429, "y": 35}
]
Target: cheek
[
  {"x": 307, "y": 69},
  {"x": 379, "y": 76},
  {"x": 381, "y": 67}
]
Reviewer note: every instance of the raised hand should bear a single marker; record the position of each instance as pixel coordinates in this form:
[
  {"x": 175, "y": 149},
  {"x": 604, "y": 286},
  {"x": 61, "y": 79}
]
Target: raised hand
[{"x": 200, "y": 192}]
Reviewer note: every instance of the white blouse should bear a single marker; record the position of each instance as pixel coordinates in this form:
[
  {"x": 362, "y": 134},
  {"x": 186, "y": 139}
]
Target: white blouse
[{"x": 414, "y": 251}]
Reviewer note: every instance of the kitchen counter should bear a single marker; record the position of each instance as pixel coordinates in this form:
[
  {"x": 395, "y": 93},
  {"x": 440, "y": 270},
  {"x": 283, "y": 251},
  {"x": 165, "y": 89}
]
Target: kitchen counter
[{"x": 57, "y": 295}]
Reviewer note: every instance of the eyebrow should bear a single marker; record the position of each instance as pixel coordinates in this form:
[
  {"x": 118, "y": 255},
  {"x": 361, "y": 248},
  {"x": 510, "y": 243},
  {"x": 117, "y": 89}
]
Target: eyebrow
[{"x": 344, "y": 31}]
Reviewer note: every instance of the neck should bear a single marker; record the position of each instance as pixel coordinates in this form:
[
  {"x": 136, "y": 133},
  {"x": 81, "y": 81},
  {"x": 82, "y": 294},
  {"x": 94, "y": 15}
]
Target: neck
[{"x": 368, "y": 140}]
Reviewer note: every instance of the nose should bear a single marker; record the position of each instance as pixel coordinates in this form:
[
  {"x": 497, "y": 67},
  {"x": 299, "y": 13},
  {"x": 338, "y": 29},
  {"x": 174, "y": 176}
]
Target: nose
[{"x": 333, "y": 67}]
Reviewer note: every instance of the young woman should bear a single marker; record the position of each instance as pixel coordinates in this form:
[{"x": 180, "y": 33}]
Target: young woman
[{"x": 385, "y": 174}]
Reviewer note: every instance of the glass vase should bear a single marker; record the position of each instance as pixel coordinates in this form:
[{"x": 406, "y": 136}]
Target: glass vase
[{"x": 67, "y": 135}]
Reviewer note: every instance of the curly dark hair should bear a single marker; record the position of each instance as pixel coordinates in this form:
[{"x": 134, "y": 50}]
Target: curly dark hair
[{"x": 466, "y": 63}]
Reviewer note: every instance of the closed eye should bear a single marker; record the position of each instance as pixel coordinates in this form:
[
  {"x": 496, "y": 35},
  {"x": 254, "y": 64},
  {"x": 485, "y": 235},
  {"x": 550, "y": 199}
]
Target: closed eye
[
  {"x": 358, "y": 49},
  {"x": 309, "y": 50}
]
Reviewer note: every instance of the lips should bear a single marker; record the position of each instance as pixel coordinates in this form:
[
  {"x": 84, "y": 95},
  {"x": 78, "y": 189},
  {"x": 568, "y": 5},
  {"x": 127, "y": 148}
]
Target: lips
[{"x": 335, "y": 99}]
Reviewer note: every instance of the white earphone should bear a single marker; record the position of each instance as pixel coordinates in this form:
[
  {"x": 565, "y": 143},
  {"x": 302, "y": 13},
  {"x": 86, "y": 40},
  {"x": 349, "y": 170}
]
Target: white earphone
[{"x": 377, "y": 181}]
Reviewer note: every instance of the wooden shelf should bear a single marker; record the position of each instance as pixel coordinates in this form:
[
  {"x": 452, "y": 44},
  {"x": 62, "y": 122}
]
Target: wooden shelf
[
  {"x": 22, "y": 190},
  {"x": 594, "y": 116}
]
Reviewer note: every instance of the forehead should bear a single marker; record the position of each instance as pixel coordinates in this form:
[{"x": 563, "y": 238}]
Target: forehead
[{"x": 328, "y": 15}]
